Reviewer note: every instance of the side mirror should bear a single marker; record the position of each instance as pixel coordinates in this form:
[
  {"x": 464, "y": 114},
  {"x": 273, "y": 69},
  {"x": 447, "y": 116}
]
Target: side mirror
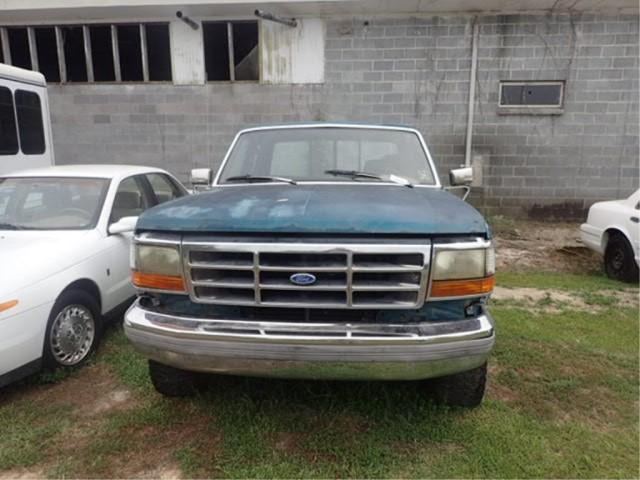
[
  {"x": 461, "y": 176},
  {"x": 124, "y": 225},
  {"x": 201, "y": 176}
]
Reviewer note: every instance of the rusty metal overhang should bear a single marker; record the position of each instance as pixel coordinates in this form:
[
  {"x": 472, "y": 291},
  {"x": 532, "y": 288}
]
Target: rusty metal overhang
[{"x": 69, "y": 11}]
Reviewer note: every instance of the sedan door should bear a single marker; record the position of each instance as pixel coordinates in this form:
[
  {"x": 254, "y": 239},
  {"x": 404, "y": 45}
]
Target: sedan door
[{"x": 131, "y": 199}]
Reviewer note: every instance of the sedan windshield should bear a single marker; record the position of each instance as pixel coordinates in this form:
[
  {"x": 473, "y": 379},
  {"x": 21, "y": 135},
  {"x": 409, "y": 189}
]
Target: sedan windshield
[
  {"x": 323, "y": 154},
  {"x": 50, "y": 203}
]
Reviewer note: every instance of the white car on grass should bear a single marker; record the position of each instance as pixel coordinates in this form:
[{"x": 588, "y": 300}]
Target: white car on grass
[
  {"x": 65, "y": 234},
  {"x": 613, "y": 229}
]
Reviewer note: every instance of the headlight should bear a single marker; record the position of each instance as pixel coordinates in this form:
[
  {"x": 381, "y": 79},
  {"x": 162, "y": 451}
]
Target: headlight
[
  {"x": 157, "y": 268},
  {"x": 458, "y": 273}
]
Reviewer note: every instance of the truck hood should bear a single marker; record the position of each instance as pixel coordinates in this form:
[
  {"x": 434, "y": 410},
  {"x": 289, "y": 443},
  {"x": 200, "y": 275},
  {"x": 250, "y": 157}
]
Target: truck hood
[
  {"x": 27, "y": 257},
  {"x": 314, "y": 209}
]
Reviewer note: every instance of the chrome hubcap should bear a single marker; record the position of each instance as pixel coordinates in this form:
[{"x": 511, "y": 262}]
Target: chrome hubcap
[{"x": 72, "y": 334}]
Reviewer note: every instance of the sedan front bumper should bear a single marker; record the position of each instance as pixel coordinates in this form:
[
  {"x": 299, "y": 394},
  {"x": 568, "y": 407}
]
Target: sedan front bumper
[{"x": 337, "y": 351}]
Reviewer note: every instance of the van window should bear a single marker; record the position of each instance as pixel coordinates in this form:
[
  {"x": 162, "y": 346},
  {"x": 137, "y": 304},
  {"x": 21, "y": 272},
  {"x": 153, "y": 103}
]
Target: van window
[
  {"x": 8, "y": 134},
  {"x": 30, "y": 125}
]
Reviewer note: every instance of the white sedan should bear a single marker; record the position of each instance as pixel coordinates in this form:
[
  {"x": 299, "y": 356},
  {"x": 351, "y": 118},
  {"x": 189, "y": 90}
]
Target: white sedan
[
  {"x": 613, "y": 229},
  {"x": 65, "y": 234}
]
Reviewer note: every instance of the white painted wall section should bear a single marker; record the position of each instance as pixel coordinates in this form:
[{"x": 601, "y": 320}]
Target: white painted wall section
[
  {"x": 292, "y": 54},
  {"x": 187, "y": 54}
]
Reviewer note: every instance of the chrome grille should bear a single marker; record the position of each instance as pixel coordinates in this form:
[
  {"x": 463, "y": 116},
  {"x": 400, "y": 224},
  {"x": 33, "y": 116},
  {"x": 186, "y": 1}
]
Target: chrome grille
[{"x": 347, "y": 275}]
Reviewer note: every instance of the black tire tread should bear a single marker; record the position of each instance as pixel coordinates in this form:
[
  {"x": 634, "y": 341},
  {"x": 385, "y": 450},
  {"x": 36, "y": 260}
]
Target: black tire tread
[
  {"x": 171, "y": 381},
  {"x": 629, "y": 272},
  {"x": 465, "y": 389}
]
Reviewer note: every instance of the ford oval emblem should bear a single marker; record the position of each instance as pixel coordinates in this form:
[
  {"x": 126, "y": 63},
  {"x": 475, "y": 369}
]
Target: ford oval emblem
[{"x": 303, "y": 279}]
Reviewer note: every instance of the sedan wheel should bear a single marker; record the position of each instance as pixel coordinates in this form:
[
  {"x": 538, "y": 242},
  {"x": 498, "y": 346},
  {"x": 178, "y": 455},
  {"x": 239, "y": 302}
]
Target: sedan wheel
[
  {"x": 73, "y": 330},
  {"x": 72, "y": 335}
]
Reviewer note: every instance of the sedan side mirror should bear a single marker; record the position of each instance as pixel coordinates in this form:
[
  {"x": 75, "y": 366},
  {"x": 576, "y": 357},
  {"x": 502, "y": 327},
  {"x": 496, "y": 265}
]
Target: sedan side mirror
[
  {"x": 201, "y": 176},
  {"x": 124, "y": 225},
  {"x": 461, "y": 176}
]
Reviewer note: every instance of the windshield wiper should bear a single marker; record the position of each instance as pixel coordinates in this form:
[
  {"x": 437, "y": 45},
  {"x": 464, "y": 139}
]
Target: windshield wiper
[
  {"x": 260, "y": 178},
  {"x": 9, "y": 226},
  {"x": 361, "y": 174}
]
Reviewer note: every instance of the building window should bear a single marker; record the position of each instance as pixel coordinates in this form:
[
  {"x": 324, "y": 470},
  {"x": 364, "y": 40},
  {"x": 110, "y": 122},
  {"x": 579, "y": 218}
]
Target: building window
[
  {"x": 231, "y": 51},
  {"x": 30, "y": 126},
  {"x": 91, "y": 53},
  {"x": 531, "y": 94},
  {"x": 158, "y": 52},
  {"x": 8, "y": 132},
  {"x": 47, "y": 52},
  {"x": 74, "y": 58},
  {"x": 102, "y": 53},
  {"x": 19, "y": 47}
]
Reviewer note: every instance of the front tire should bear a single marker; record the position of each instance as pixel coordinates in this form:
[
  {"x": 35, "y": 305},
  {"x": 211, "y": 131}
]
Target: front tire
[
  {"x": 73, "y": 330},
  {"x": 171, "y": 381},
  {"x": 465, "y": 389},
  {"x": 619, "y": 263}
]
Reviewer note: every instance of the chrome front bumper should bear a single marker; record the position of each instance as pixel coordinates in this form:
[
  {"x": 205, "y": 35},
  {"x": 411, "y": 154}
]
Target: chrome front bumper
[{"x": 338, "y": 351}]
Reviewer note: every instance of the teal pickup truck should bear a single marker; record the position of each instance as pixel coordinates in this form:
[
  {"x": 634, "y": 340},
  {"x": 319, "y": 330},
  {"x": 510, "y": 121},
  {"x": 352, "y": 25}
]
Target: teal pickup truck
[{"x": 318, "y": 251}]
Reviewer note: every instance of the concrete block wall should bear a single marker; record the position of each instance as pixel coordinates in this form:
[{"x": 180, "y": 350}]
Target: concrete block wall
[{"x": 412, "y": 71}]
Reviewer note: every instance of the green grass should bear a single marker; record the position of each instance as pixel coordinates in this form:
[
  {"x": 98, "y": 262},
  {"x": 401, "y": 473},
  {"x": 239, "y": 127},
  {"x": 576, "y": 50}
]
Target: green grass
[
  {"x": 563, "y": 281},
  {"x": 562, "y": 402}
]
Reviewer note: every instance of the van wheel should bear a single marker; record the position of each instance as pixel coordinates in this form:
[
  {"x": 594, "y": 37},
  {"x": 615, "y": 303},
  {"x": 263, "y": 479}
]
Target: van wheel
[
  {"x": 619, "y": 263},
  {"x": 73, "y": 330},
  {"x": 171, "y": 381},
  {"x": 465, "y": 389}
]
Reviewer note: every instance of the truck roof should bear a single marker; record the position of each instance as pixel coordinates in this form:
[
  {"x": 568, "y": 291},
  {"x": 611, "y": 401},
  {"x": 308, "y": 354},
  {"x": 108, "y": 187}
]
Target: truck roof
[{"x": 16, "y": 74}]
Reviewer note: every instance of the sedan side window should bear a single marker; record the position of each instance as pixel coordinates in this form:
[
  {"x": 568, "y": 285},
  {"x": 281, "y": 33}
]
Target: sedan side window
[
  {"x": 130, "y": 200},
  {"x": 163, "y": 187}
]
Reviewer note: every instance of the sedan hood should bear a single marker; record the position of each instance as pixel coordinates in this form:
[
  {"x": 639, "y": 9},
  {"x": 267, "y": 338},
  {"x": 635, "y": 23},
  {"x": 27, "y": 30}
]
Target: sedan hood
[
  {"x": 26, "y": 257},
  {"x": 318, "y": 209}
]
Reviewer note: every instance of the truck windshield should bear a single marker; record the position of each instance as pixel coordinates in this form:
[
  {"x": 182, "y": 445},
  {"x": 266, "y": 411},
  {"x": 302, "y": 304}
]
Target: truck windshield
[
  {"x": 316, "y": 154},
  {"x": 50, "y": 203}
]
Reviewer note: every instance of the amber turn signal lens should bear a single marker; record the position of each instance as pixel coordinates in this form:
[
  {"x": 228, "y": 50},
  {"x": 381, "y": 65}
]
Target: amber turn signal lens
[
  {"x": 460, "y": 288},
  {"x": 158, "y": 282},
  {"x": 7, "y": 305}
]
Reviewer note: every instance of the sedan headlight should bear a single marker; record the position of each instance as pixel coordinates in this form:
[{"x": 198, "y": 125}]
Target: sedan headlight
[
  {"x": 157, "y": 268},
  {"x": 462, "y": 273}
]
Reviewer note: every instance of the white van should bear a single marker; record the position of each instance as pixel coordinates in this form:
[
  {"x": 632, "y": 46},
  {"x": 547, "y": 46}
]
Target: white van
[{"x": 25, "y": 123}]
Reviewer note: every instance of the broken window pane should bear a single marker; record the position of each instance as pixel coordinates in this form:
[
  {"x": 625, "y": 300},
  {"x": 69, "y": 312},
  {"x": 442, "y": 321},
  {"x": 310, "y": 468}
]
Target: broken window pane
[
  {"x": 531, "y": 94},
  {"x": 216, "y": 51},
  {"x": 19, "y": 47},
  {"x": 8, "y": 133},
  {"x": 74, "y": 59},
  {"x": 130, "y": 53},
  {"x": 102, "y": 53},
  {"x": 158, "y": 53},
  {"x": 29, "y": 113},
  {"x": 245, "y": 50},
  {"x": 47, "y": 53}
]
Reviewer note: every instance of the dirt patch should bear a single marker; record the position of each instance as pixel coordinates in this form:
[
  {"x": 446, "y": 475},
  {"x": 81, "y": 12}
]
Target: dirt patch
[
  {"x": 22, "y": 474},
  {"x": 91, "y": 391},
  {"x": 547, "y": 299},
  {"x": 544, "y": 246}
]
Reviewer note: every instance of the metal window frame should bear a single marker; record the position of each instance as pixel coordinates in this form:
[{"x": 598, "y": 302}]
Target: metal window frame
[
  {"x": 87, "y": 47},
  {"x": 6, "y": 52},
  {"x": 559, "y": 105},
  {"x": 62, "y": 63},
  {"x": 143, "y": 52},
  {"x": 31, "y": 36}
]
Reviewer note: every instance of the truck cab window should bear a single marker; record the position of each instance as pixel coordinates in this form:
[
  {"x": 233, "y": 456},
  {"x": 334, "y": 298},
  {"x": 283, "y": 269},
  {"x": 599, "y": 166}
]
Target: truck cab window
[
  {"x": 29, "y": 112},
  {"x": 8, "y": 133}
]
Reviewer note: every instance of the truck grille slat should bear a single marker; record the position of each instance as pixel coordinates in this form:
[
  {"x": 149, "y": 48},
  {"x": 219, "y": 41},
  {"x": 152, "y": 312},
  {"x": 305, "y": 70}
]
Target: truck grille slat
[{"x": 357, "y": 276}]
